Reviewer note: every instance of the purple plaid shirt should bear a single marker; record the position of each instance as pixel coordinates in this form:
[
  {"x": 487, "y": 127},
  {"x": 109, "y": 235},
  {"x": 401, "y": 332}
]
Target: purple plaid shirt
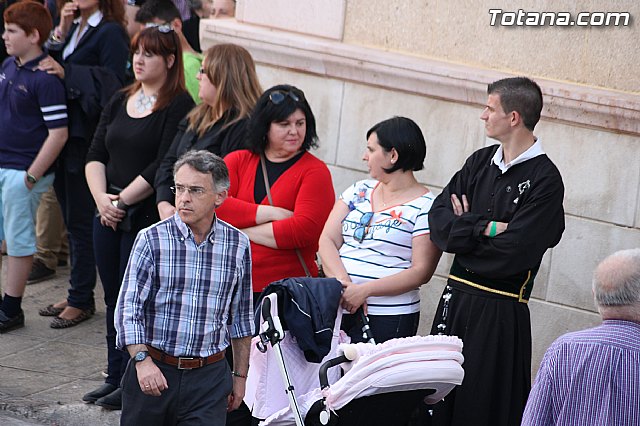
[
  {"x": 183, "y": 298},
  {"x": 590, "y": 377}
]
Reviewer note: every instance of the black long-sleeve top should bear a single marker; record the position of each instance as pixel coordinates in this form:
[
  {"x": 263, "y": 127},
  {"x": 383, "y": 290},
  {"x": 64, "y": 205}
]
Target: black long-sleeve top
[
  {"x": 135, "y": 146},
  {"x": 528, "y": 196},
  {"x": 219, "y": 139}
]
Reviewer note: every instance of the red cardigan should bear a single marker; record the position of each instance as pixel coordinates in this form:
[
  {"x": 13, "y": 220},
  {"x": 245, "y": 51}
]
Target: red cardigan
[{"x": 305, "y": 188}]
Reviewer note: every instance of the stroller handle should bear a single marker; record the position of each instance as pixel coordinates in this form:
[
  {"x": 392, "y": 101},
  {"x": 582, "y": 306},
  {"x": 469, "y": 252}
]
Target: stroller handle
[
  {"x": 324, "y": 368},
  {"x": 271, "y": 330}
]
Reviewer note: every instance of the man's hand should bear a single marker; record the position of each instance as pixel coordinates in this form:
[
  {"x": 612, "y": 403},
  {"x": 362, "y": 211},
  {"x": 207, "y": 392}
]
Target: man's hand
[
  {"x": 237, "y": 394},
  {"x": 500, "y": 228},
  {"x": 150, "y": 378},
  {"x": 459, "y": 207}
]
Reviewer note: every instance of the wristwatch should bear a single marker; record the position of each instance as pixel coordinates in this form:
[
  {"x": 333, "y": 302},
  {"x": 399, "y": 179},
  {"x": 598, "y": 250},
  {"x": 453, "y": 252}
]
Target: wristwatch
[
  {"x": 141, "y": 356},
  {"x": 31, "y": 179}
]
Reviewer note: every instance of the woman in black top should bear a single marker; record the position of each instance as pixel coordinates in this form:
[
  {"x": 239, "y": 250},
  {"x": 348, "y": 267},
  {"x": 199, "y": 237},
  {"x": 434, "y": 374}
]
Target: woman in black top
[
  {"x": 229, "y": 89},
  {"x": 135, "y": 131}
]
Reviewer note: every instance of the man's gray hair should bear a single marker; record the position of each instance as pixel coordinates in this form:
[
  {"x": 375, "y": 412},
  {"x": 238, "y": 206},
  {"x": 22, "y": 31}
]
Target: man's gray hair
[
  {"x": 616, "y": 281},
  {"x": 206, "y": 162}
]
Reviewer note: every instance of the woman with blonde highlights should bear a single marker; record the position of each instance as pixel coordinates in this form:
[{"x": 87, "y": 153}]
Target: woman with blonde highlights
[{"x": 229, "y": 89}]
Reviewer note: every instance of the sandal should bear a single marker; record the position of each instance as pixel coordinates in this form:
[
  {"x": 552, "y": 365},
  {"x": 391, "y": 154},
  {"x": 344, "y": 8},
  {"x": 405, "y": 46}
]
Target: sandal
[
  {"x": 66, "y": 323},
  {"x": 50, "y": 311}
]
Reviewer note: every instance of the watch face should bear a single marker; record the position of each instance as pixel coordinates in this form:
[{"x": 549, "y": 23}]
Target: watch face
[
  {"x": 31, "y": 179},
  {"x": 140, "y": 356}
]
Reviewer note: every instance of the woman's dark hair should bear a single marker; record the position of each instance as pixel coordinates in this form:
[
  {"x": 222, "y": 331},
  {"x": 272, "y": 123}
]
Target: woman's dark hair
[
  {"x": 403, "y": 135},
  {"x": 166, "y": 45},
  {"x": 274, "y": 105}
]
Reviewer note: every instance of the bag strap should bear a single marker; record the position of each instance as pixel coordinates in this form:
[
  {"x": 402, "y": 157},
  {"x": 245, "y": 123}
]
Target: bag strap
[{"x": 268, "y": 188}]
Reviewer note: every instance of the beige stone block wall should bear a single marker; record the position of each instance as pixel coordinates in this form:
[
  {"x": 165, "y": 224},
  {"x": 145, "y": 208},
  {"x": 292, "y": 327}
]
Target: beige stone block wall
[
  {"x": 322, "y": 18},
  {"x": 600, "y": 170},
  {"x": 460, "y": 32},
  {"x": 585, "y": 242}
]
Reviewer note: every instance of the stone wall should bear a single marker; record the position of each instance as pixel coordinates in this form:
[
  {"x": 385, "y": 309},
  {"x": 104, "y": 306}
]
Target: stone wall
[{"x": 357, "y": 69}]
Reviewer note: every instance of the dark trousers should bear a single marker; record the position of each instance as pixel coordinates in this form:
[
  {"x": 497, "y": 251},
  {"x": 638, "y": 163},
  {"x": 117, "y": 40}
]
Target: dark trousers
[
  {"x": 384, "y": 327},
  {"x": 78, "y": 210},
  {"x": 112, "y": 249},
  {"x": 194, "y": 397}
]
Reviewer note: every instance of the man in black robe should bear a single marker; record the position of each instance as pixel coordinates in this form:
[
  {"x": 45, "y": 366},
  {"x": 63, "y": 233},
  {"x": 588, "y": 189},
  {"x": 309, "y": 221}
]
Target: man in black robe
[{"x": 498, "y": 215}]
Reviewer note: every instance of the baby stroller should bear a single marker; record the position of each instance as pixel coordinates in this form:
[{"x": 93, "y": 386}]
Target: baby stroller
[{"x": 382, "y": 383}]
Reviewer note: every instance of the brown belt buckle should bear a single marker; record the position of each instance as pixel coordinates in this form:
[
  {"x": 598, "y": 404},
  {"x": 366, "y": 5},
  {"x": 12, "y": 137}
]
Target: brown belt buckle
[{"x": 182, "y": 367}]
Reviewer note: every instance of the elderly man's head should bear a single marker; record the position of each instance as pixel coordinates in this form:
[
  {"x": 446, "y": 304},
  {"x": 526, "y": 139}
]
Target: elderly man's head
[{"x": 616, "y": 285}]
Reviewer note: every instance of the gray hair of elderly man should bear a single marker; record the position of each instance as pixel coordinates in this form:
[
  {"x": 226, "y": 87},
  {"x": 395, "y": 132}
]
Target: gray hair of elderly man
[
  {"x": 206, "y": 162},
  {"x": 616, "y": 283}
]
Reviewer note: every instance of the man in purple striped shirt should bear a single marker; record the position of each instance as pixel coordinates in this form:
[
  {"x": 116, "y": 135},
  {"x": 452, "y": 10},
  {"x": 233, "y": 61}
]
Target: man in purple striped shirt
[
  {"x": 592, "y": 377},
  {"x": 186, "y": 295}
]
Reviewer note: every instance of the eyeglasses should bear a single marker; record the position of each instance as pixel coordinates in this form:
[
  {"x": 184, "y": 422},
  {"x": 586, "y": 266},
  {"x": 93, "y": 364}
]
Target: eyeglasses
[
  {"x": 278, "y": 96},
  {"x": 163, "y": 28},
  {"x": 361, "y": 230},
  {"x": 194, "y": 191}
]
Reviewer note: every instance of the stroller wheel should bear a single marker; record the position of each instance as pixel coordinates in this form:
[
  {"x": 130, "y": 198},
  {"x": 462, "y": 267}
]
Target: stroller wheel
[{"x": 318, "y": 415}]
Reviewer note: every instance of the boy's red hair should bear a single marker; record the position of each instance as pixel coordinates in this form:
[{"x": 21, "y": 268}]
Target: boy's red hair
[{"x": 30, "y": 15}]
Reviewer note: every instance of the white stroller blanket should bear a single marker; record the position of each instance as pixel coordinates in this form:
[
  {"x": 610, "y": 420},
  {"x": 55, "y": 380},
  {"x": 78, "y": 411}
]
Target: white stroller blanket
[
  {"x": 419, "y": 362},
  {"x": 265, "y": 392}
]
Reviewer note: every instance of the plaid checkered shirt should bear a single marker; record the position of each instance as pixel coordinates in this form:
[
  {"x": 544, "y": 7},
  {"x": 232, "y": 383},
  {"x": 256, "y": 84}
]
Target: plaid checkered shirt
[{"x": 184, "y": 298}]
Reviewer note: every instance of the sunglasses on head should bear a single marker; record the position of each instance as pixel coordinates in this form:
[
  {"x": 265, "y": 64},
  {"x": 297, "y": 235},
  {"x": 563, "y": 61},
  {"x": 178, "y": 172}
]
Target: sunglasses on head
[
  {"x": 361, "y": 230},
  {"x": 163, "y": 28},
  {"x": 278, "y": 96}
]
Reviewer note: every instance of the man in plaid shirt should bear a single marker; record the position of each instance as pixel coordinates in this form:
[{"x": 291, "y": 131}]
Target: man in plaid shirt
[{"x": 186, "y": 296}]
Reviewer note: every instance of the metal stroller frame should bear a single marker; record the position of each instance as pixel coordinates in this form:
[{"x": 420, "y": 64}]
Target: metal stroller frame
[{"x": 272, "y": 332}]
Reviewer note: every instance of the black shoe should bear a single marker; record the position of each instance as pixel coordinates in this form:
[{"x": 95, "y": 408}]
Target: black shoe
[
  {"x": 8, "y": 324},
  {"x": 103, "y": 390},
  {"x": 39, "y": 272},
  {"x": 113, "y": 401}
]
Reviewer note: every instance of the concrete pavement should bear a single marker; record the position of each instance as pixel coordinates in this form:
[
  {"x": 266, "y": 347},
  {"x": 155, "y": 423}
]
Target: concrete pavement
[{"x": 44, "y": 372}]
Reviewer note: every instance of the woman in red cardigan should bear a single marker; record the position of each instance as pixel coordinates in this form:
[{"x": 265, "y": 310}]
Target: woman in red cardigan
[{"x": 281, "y": 131}]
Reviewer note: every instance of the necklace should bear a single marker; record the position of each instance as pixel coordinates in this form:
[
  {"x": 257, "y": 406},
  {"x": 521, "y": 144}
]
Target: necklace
[
  {"x": 384, "y": 204},
  {"x": 399, "y": 195},
  {"x": 144, "y": 103}
]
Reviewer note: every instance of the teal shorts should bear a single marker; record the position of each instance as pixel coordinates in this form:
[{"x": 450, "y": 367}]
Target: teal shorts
[{"x": 18, "y": 207}]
